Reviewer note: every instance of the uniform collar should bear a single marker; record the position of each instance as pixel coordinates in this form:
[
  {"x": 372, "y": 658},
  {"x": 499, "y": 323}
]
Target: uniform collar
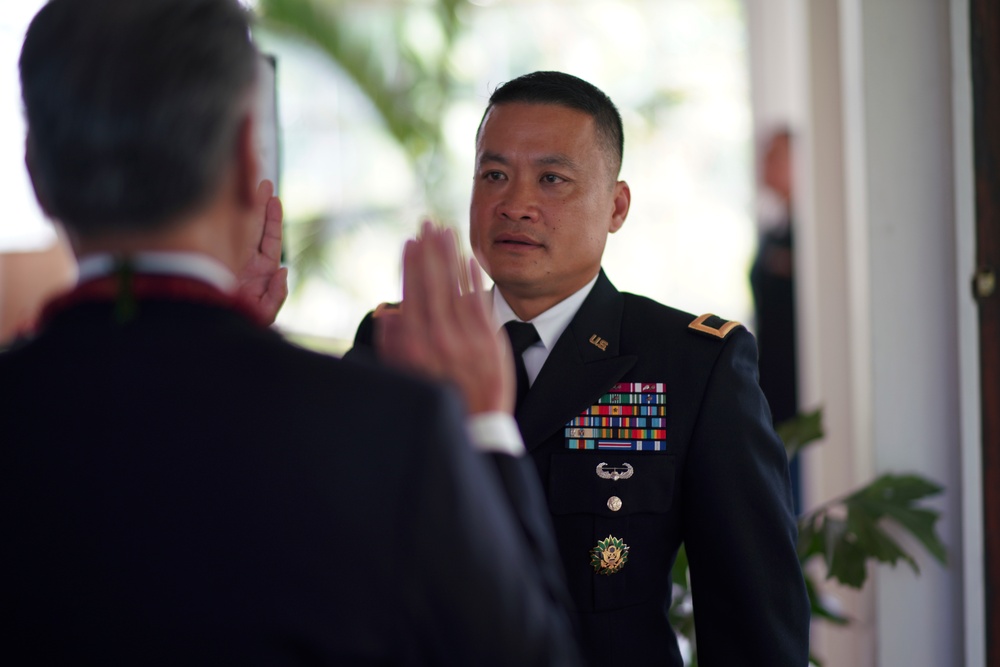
[
  {"x": 183, "y": 264},
  {"x": 127, "y": 282},
  {"x": 550, "y": 324}
]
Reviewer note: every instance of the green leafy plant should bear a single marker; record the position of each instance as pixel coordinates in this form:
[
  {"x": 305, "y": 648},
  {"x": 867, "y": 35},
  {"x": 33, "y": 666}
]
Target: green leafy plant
[
  {"x": 847, "y": 533},
  {"x": 408, "y": 82}
]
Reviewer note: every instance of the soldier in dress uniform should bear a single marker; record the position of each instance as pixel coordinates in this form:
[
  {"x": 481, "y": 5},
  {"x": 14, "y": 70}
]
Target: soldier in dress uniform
[{"x": 646, "y": 424}]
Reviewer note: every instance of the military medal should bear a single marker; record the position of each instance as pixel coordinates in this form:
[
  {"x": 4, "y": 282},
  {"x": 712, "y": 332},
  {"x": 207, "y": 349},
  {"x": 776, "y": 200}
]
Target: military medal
[
  {"x": 630, "y": 416},
  {"x": 609, "y": 556}
]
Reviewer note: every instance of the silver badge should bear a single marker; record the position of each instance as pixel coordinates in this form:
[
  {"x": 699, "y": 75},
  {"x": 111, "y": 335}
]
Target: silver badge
[{"x": 614, "y": 473}]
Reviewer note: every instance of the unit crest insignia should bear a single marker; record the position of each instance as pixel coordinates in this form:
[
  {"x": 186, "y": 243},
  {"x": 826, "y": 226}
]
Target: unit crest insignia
[{"x": 609, "y": 556}]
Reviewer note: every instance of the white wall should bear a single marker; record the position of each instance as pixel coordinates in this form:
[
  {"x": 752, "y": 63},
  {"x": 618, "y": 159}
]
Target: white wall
[
  {"x": 902, "y": 281},
  {"x": 885, "y": 233},
  {"x": 829, "y": 361},
  {"x": 773, "y": 49}
]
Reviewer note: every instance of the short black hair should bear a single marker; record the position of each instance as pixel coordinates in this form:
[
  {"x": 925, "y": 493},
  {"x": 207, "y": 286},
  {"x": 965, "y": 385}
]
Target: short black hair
[
  {"x": 568, "y": 91},
  {"x": 133, "y": 107}
]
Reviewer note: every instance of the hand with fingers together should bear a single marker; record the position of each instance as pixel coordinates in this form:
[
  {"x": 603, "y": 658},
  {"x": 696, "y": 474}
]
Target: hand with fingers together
[
  {"x": 263, "y": 282},
  {"x": 443, "y": 329}
]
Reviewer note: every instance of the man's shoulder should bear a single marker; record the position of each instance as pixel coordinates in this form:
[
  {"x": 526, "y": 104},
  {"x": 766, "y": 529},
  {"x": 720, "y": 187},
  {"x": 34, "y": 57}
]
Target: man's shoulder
[
  {"x": 358, "y": 377},
  {"x": 364, "y": 337},
  {"x": 662, "y": 320},
  {"x": 234, "y": 351}
]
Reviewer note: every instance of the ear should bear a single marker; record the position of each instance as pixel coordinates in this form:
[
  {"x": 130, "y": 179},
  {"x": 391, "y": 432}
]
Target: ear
[
  {"x": 247, "y": 163},
  {"x": 622, "y": 201}
]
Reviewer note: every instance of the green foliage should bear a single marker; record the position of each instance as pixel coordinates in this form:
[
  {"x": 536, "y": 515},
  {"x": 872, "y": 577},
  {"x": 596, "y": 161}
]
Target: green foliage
[
  {"x": 800, "y": 431},
  {"x": 681, "y": 612},
  {"x": 406, "y": 85},
  {"x": 407, "y": 82},
  {"x": 848, "y": 533},
  {"x": 853, "y": 530}
]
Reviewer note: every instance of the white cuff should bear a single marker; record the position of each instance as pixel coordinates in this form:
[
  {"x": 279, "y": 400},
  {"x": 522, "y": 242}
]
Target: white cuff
[{"x": 495, "y": 432}]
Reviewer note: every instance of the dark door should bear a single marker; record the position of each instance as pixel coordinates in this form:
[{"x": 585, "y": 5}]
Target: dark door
[{"x": 985, "y": 43}]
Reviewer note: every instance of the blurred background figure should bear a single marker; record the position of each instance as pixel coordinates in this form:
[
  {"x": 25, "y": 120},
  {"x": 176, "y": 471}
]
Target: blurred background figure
[{"x": 772, "y": 279}]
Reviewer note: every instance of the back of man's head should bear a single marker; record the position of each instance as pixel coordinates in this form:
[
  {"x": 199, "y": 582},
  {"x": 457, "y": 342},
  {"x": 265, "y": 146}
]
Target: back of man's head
[
  {"x": 572, "y": 92},
  {"x": 133, "y": 107}
]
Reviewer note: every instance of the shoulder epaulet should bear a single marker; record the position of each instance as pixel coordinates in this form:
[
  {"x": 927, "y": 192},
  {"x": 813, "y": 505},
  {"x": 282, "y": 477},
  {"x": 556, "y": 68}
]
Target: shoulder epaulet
[{"x": 713, "y": 325}]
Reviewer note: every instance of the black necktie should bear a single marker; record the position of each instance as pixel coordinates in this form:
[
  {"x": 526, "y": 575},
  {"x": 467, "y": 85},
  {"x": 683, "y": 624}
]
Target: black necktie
[{"x": 522, "y": 335}]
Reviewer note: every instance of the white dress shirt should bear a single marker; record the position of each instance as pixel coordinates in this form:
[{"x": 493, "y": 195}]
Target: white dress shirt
[{"x": 550, "y": 325}]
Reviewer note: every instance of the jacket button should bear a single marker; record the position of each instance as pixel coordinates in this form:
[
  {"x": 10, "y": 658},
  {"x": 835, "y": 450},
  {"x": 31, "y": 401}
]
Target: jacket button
[{"x": 614, "y": 503}]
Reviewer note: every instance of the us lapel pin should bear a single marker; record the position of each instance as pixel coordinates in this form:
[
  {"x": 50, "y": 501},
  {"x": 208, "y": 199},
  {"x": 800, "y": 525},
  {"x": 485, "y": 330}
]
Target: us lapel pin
[{"x": 599, "y": 342}]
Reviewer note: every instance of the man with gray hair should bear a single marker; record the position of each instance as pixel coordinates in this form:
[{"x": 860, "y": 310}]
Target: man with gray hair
[{"x": 179, "y": 484}]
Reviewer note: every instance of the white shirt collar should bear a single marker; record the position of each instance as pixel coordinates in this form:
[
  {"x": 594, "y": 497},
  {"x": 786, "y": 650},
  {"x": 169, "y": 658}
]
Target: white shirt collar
[
  {"x": 188, "y": 264},
  {"x": 553, "y": 322}
]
